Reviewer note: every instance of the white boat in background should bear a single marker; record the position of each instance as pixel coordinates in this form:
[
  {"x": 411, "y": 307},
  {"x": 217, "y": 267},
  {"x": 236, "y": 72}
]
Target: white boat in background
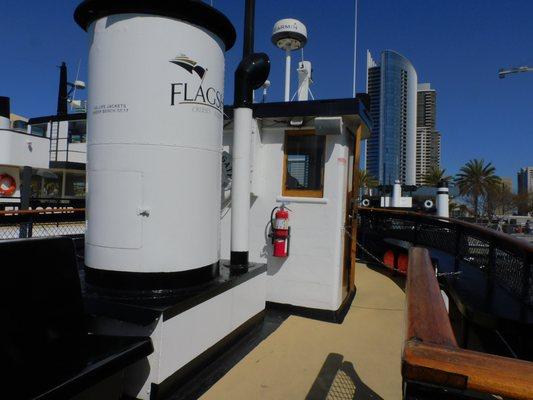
[{"x": 53, "y": 147}]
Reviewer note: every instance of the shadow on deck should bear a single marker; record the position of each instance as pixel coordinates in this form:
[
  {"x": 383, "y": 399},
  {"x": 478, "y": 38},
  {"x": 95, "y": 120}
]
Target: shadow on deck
[{"x": 292, "y": 357}]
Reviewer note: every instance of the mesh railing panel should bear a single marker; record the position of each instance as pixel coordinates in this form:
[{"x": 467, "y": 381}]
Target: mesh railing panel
[
  {"x": 14, "y": 226},
  {"x": 502, "y": 260},
  {"x": 509, "y": 270}
]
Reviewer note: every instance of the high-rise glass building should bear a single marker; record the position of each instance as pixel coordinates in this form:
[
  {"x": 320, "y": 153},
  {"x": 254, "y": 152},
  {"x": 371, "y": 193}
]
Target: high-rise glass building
[
  {"x": 427, "y": 137},
  {"x": 525, "y": 180},
  {"x": 525, "y": 186},
  {"x": 391, "y": 149}
]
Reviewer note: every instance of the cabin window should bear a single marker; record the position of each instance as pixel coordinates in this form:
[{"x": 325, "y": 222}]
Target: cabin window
[
  {"x": 303, "y": 172},
  {"x": 47, "y": 183},
  {"x": 75, "y": 184},
  {"x": 77, "y": 131},
  {"x": 39, "y": 130}
]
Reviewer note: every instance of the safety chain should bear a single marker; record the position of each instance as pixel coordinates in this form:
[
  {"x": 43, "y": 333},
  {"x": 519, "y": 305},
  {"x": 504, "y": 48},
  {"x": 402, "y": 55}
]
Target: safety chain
[
  {"x": 456, "y": 273},
  {"x": 372, "y": 255}
]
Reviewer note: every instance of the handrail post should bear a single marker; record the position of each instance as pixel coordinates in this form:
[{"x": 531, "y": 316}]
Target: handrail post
[
  {"x": 492, "y": 258},
  {"x": 527, "y": 275},
  {"x": 458, "y": 238},
  {"x": 25, "y": 194}
]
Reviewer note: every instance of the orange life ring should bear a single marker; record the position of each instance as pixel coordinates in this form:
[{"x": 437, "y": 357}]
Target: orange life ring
[
  {"x": 399, "y": 262},
  {"x": 8, "y": 185},
  {"x": 388, "y": 259}
]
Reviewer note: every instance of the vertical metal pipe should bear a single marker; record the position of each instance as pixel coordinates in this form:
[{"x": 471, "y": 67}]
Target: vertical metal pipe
[
  {"x": 5, "y": 112},
  {"x": 396, "y": 197},
  {"x": 25, "y": 196},
  {"x": 62, "y": 95},
  {"x": 287, "y": 75},
  {"x": 249, "y": 26},
  {"x": 443, "y": 200},
  {"x": 240, "y": 186},
  {"x": 242, "y": 132}
]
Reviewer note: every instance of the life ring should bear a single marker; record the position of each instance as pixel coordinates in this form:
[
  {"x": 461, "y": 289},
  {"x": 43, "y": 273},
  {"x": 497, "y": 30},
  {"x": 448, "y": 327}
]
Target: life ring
[
  {"x": 8, "y": 185},
  {"x": 365, "y": 202},
  {"x": 399, "y": 262},
  {"x": 428, "y": 203}
]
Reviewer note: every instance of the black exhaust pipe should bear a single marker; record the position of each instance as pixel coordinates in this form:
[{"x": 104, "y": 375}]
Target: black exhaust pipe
[
  {"x": 62, "y": 95},
  {"x": 5, "y": 109},
  {"x": 251, "y": 73},
  {"x": 254, "y": 68}
]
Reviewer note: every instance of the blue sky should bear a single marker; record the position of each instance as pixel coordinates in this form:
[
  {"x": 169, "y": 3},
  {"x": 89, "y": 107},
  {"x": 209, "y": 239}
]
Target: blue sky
[{"x": 457, "y": 45}]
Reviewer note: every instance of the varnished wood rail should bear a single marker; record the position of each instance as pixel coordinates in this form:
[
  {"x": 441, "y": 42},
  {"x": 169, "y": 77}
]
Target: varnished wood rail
[
  {"x": 431, "y": 354},
  {"x": 42, "y": 211}
]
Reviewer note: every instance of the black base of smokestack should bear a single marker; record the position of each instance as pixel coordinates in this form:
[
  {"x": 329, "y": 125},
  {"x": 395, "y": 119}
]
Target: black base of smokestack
[
  {"x": 149, "y": 287},
  {"x": 5, "y": 109},
  {"x": 239, "y": 261}
]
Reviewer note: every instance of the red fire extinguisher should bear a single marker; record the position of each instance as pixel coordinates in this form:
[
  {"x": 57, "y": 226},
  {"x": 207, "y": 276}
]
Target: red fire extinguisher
[{"x": 281, "y": 231}]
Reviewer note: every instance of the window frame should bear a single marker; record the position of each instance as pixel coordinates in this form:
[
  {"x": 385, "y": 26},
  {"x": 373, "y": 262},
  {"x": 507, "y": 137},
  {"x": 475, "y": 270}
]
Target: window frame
[
  {"x": 314, "y": 193},
  {"x": 81, "y": 136}
]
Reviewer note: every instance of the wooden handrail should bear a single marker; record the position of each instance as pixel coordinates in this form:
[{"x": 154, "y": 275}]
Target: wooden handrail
[
  {"x": 43, "y": 211},
  {"x": 523, "y": 245},
  {"x": 427, "y": 318},
  {"x": 466, "y": 369},
  {"x": 431, "y": 354}
]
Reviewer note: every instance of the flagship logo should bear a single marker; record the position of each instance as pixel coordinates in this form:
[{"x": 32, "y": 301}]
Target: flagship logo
[
  {"x": 189, "y": 65},
  {"x": 195, "y": 94}
]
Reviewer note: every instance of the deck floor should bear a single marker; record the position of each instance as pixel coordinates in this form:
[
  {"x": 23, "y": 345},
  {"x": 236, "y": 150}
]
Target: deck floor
[{"x": 308, "y": 359}]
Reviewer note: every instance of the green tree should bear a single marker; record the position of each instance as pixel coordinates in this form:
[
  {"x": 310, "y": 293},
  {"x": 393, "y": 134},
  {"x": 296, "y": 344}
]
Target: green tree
[
  {"x": 366, "y": 181},
  {"x": 499, "y": 200},
  {"x": 524, "y": 203},
  {"x": 475, "y": 179},
  {"x": 435, "y": 175}
]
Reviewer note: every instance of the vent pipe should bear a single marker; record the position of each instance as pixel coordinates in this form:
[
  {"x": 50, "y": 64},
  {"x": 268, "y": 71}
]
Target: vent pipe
[
  {"x": 443, "y": 199},
  {"x": 396, "y": 194},
  {"x": 4, "y": 112},
  {"x": 251, "y": 74},
  {"x": 62, "y": 94}
]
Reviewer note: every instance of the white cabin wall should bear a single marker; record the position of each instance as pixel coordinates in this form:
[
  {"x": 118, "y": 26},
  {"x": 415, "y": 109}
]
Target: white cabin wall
[
  {"x": 312, "y": 274},
  {"x": 23, "y": 150}
]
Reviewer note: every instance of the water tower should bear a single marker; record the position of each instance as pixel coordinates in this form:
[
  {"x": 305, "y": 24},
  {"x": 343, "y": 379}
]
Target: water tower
[{"x": 289, "y": 34}]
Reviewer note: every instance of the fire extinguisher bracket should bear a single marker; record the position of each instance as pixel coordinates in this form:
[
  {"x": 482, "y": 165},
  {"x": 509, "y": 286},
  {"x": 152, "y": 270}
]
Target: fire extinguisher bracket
[{"x": 280, "y": 231}]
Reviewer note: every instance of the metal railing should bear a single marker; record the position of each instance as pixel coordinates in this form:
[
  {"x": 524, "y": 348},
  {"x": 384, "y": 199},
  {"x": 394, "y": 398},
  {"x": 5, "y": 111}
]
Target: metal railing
[
  {"x": 41, "y": 223},
  {"x": 505, "y": 260},
  {"x": 15, "y": 203},
  {"x": 433, "y": 366}
]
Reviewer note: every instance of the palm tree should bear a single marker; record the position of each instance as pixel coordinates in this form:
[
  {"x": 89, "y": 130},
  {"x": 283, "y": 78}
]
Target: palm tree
[
  {"x": 434, "y": 175},
  {"x": 366, "y": 181},
  {"x": 475, "y": 179}
]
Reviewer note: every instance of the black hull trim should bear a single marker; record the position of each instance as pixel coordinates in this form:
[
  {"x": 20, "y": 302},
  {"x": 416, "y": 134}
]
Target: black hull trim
[{"x": 335, "y": 316}]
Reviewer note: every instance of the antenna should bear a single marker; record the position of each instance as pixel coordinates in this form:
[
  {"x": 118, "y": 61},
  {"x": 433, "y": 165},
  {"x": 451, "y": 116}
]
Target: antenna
[
  {"x": 266, "y": 85},
  {"x": 289, "y": 34},
  {"x": 75, "y": 86},
  {"x": 354, "y": 51}
]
